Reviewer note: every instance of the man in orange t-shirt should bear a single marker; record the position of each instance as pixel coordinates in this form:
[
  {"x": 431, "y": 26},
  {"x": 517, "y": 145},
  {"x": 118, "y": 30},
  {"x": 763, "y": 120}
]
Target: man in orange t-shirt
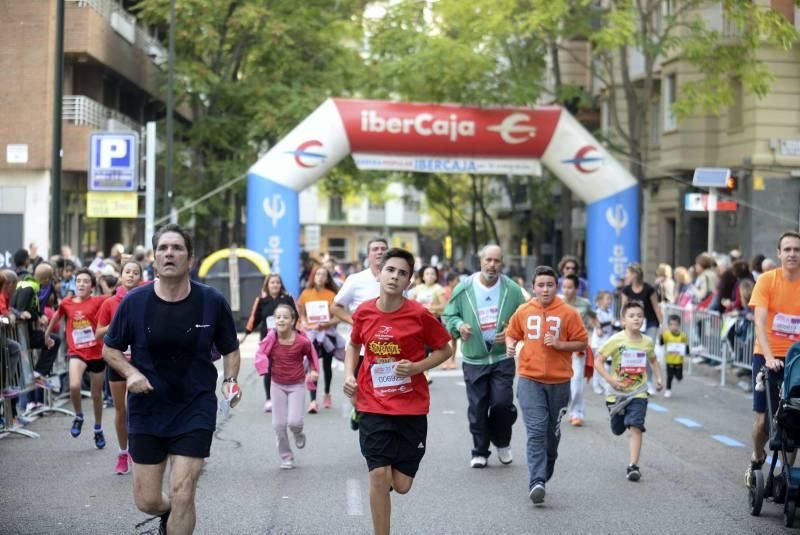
[
  {"x": 776, "y": 304},
  {"x": 550, "y": 331}
]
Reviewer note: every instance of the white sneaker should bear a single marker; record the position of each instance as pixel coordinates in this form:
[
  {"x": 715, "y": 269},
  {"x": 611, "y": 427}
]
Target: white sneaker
[
  {"x": 599, "y": 391},
  {"x": 300, "y": 440},
  {"x": 668, "y": 393},
  {"x": 479, "y": 462},
  {"x": 287, "y": 465},
  {"x": 536, "y": 494},
  {"x": 504, "y": 455}
]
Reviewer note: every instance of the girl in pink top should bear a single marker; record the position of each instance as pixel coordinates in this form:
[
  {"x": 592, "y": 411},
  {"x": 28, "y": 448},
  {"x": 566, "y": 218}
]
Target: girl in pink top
[{"x": 284, "y": 350}]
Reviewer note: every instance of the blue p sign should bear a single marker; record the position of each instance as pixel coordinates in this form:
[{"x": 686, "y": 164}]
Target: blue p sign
[
  {"x": 113, "y": 160},
  {"x": 114, "y": 152}
]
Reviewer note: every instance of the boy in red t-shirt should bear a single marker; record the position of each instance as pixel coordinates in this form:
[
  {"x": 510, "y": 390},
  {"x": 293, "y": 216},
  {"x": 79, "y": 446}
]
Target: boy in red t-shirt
[
  {"x": 393, "y": 396},
  {"x": 84, "y": 351}
]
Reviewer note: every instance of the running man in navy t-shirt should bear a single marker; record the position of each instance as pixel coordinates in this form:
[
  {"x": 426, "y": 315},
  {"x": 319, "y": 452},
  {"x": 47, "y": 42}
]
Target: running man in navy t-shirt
[{"x": 170, "y": 326}]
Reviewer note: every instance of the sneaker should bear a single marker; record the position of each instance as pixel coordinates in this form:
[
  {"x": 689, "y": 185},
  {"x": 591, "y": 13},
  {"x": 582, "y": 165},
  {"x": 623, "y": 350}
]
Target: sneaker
[
  {"x": 99, "y": 439},
  {"x": 479, "y": 462},
  {"x": 599, "y": 391},
  {"x": 575, "y": 421},
  {"x": 123, "y": 466},
  {"x": 23, "y": 420},
  {"x": 633, "y": 473},
  {"x": 77, "y": 424},
  {"x": 355, "y": 418},
  {"x": 668, "y": 393},
  {"x": 313, "y": 408},
  {"x": 287, "y": 464},
  {"x": 537, "y": 493},
  {"x": 754, "y": 465},
  {"x": 300, "y": 440},
  {"x": 268, "y": 406},
  {"x": 327, "y": 402},
  {"x": 504, "y": 455}
]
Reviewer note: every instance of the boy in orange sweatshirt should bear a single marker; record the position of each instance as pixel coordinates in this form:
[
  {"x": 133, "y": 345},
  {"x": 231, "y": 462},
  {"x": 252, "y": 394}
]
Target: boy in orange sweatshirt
[{"x": 550, "y": 331}]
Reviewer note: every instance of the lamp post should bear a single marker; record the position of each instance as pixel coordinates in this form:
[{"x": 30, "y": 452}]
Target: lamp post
[
  {"x": 170, "y": 110},
  {"x": 58, "y": 96}
]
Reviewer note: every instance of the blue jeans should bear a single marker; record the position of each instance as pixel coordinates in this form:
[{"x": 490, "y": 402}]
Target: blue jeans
[{"x": 543, "y": 406}]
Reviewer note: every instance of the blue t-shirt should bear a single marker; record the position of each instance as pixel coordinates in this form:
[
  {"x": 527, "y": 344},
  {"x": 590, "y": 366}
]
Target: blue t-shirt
[
  {"x": 171, "y": 345},
  {"x": 488, "y": 302}
]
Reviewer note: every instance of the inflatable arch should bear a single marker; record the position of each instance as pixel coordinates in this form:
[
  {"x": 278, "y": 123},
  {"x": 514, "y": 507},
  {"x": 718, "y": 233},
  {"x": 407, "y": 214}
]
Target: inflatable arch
[{"x": 428, "y": 137}]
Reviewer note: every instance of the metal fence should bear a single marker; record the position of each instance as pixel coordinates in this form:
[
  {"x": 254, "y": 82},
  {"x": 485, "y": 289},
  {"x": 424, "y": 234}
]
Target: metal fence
[{"x": 726, "y": 339}]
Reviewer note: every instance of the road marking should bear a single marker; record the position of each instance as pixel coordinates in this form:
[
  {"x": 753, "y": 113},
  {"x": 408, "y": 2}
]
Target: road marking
[
  {"x": 461, "y": 383},
  {"x": 691, "y": 424},
  {"x": 769, "y": 462},
  {"x": 728, "y": 441},
  {"x": 448, "y": 412},
  {"x": 354, "y": 506},
  {"x": 656, "y": 407}
]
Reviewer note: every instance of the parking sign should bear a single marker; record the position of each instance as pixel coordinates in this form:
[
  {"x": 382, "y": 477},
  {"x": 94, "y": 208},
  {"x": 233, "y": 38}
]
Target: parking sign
[{"x": 113, "y": 161}]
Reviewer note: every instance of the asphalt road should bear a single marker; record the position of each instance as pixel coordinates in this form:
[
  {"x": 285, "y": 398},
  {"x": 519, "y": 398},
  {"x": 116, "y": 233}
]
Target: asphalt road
[{"x": 692, "y": 481}]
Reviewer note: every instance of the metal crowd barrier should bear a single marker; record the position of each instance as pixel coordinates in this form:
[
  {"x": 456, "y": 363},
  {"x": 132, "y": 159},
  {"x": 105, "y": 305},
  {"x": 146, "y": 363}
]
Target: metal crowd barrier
[
  {"x": 16, "y": 373},
  {"x": 60, "y": 367},
  {"x": 726, "y": 339}
]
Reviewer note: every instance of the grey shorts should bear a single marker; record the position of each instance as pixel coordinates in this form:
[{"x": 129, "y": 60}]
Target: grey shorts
[{"x": 631, "y": 416}]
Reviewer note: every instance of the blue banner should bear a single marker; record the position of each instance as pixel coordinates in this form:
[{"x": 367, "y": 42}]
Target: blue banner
[
  {"x": 273, "y": 227},
  {"x": 612, "y": 238}
]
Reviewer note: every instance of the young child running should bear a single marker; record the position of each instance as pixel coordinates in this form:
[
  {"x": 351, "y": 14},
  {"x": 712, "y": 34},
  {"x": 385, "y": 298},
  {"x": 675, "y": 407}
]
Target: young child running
[
  {"x": 393, "y": 397},
  {"x": 286, "y": 350},
  {"x": 676, "y": 344},
  {"x": 601, "y": 334},
  {"x": 629, "y": 350},
  {"x": 551, "y": 331},
  {"x": 131, "y": 278},
  {"x": 84, "y": 351}
]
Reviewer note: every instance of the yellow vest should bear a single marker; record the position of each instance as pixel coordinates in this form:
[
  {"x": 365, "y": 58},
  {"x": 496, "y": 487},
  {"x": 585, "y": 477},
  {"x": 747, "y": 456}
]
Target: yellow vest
[{"x": 675, "y": 346}]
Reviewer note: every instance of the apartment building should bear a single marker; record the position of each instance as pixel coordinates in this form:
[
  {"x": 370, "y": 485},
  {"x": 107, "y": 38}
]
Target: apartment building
[
  {"x": 343, "y": 227},
  {"x": 112, "y": 68}
]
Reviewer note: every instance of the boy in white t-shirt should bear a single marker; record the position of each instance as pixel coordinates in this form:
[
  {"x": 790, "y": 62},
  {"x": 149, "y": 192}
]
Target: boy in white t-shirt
[{"x": 605, "y": 317}]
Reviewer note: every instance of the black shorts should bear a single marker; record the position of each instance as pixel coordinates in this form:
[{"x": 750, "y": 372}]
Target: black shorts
[
  {"x": 631, "y": 416},
  {"x": 396, "y": 441},
  {"x": 774, "y": 386},
  {"x": 150, "y": 449},
  {"x": 94, "y": 366},
  {"x": 113, "y": 376}
]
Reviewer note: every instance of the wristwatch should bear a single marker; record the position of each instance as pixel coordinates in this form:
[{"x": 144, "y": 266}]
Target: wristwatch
[{"x": 230, "y": 380}]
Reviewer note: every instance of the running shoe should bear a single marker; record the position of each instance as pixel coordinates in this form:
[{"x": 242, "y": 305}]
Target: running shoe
[
  {"x": 754, "y": 465},
  {"x": 355, "y": 418},
  {"x": 327, "y": 402},
  {"x": 504, "y": 455},
  {"x": 268, "y": 406},
  {"x": 478, "y": 461},
  {"x": 99, "y": 439},
  {"x": 668, "y": 393},
  {"x": 123, "y": 465},
  {"x": 633, "y": 473},
  {"x": 537, "y": 493},
  {"x": 300, "y": 440},
  {"x": 313, "y": 408},
  {"x": 287, "y": 464},
  {"x": 77, "y": 424}
]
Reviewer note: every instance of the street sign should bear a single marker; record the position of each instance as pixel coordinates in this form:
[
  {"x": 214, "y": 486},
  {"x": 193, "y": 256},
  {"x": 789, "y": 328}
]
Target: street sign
[
  {"x": 701, "y": 202},
  {"x": 113, "y": 161},
  {"x": 711, "y": 177},
  {"x": 119, "y": 204}
]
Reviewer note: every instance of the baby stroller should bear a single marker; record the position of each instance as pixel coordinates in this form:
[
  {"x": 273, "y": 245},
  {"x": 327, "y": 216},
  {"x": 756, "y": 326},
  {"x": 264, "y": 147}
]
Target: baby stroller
[{"x": 783, "y": 430}]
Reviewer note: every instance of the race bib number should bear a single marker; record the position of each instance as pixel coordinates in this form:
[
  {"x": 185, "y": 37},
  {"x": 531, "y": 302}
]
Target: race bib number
[
  {"x": 634, "y": 361},
  {"x": 270, "y": 322},
  {"x": 83, "y": 338},
  {"x": 676, "y": 348},
  {"x": 786, "y": 326},
  {"x": 317, "y": 312},
  {"x": 488, "y": 317},
  {"x": 386, "y": 382}
]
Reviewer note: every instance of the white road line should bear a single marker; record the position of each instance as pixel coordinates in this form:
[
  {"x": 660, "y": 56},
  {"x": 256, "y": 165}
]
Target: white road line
[
  {"x": 728, "y": 441},
  {"x": 354, "y": 506}
]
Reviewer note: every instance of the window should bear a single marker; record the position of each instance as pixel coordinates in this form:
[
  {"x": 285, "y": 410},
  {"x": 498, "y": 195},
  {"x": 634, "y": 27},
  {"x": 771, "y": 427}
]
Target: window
[
  {"x": 669, "y": 94},
  {"x": 335, "y": 209},
  {"x": 337, "y": 248},
  {"x": 736, "y": 111}
]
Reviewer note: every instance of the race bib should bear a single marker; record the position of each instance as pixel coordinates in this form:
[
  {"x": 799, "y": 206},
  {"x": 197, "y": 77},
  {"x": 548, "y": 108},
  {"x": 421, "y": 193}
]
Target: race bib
[
  {"x": 676, "y": 348},
  {"x": 488, "y": 317},
  {"x": 386, "y": 382},
  {"x": 317, "y": 312},
  {"x": 634, "y": 361},
  {"x": 83, "y": 338},
  {"x": 270, "y": 322},
  {"x": 786, "y": 326}
]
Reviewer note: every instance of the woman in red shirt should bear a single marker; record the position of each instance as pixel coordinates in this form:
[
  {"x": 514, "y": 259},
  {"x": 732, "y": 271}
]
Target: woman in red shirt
[
  {"x": 131, "y": 278},
  {"x": 84, "y": 351}
]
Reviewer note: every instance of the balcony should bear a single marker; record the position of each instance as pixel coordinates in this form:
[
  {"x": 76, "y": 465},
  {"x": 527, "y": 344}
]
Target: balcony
[
  {"x": 82, "y": 116},
  {"x": 103, "y": 31}
]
